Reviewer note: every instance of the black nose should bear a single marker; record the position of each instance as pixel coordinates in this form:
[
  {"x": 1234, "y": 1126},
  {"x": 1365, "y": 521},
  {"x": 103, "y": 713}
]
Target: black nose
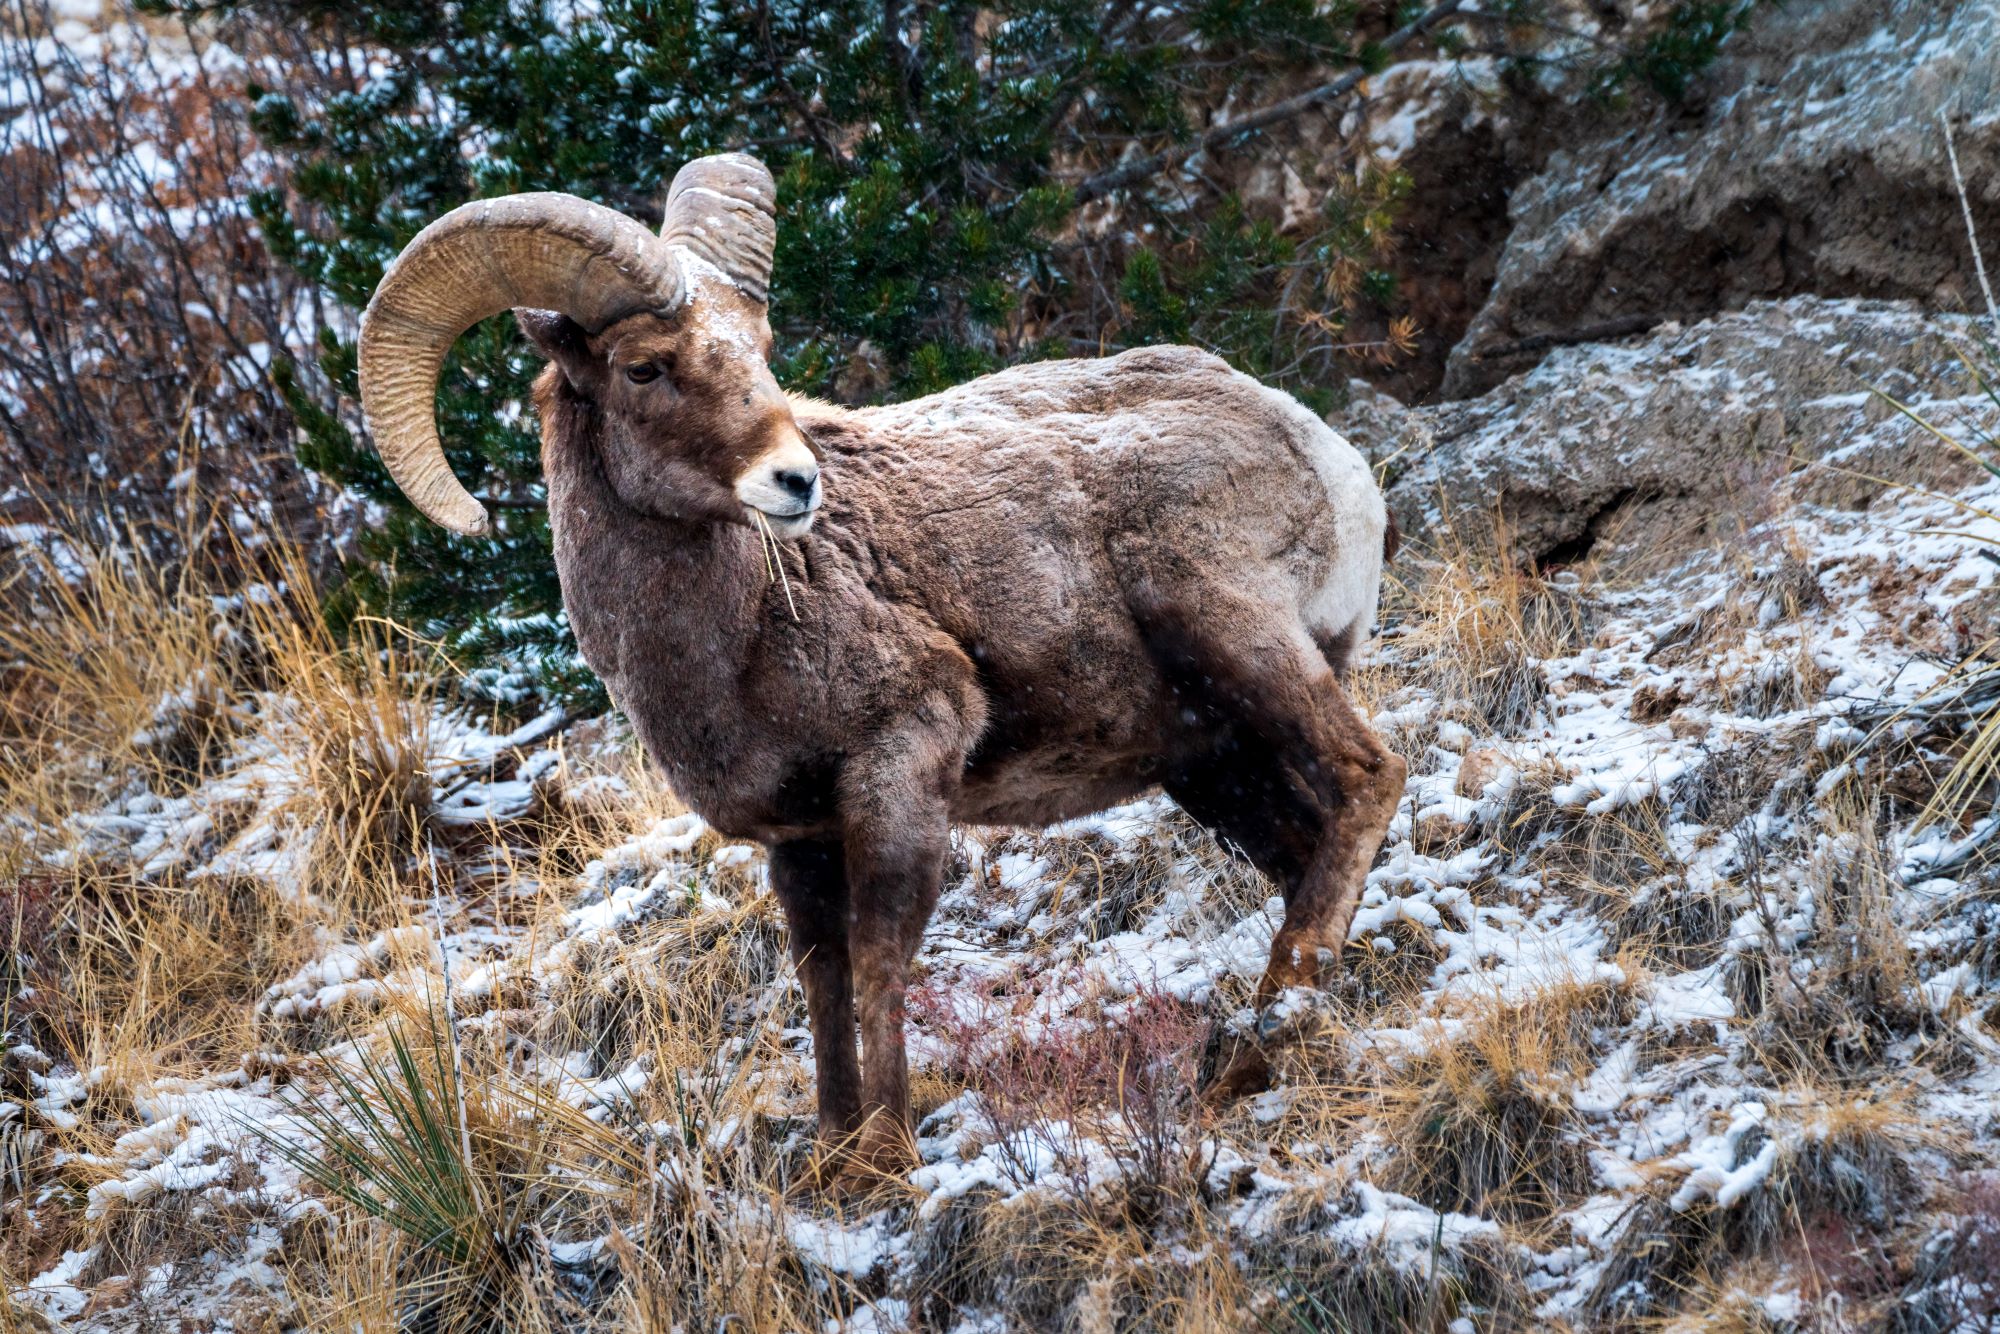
[{"x": 799, "y": 482}]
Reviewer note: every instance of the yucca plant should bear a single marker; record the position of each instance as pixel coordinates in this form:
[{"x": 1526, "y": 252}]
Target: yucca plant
[
  {"x": 387, "y": 1140},
  {"x": 406, "y": 1140}
]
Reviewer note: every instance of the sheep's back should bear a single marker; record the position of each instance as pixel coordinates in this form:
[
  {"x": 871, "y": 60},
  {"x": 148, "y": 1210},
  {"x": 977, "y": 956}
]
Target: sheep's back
[
  {"x": 1089, "y": 470},
  {"x": 1024, "y": 513}
]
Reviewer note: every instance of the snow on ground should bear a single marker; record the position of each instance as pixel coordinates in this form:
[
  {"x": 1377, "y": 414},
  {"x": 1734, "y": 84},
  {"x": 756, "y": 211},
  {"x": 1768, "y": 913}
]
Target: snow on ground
[
  {"x": 1710, "y": 722},
  {"x": 1729, "y": 740}
]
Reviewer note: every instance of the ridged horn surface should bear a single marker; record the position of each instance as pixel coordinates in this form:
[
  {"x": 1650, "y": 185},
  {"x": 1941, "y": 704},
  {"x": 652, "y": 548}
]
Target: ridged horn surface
[
  {"x": 548, "y": 251},
  {"x": 724, "y": 210}
]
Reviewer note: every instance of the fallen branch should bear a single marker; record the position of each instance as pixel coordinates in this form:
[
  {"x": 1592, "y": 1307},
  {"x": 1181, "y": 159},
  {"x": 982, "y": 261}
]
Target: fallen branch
[
  {"x": 1221, "y": 136},
  {"x": 1959, "y": 857},
  {"x": 1624, "y": 326},
  {"x": 511, "y": 748}
]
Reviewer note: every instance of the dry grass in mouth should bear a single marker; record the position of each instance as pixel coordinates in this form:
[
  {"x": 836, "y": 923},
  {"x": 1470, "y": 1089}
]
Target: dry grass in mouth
[{"x": 774, "y": 560}]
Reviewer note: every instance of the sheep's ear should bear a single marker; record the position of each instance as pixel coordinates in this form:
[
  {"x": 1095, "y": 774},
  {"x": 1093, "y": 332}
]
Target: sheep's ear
[{"x": 562, "y": 340}]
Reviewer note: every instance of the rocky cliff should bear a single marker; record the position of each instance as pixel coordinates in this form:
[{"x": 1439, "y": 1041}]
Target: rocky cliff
[{"x": 1809, "y": 160}]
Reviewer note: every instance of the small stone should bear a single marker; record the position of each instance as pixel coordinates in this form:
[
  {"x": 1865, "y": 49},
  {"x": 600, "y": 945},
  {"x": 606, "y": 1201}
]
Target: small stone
[
  {"x": 1481, "y": 765},
  {"x": 1435, "y": 831}
]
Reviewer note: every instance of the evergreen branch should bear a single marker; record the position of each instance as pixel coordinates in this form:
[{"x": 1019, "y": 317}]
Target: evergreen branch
[
  {"x": 1073, "y": 83},
  {"x": 1221, "y": 136},
  {"x": 821, "y": 133}
]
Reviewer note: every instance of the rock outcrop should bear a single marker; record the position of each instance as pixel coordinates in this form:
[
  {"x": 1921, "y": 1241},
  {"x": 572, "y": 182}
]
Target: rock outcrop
[
  {"x": 1815, "y": 165},
  {"x": 1683, "y": 434}
]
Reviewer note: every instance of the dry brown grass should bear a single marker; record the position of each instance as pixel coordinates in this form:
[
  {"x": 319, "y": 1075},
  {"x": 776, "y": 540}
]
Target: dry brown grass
[
  {"x": 129, "y": 686},
  {"x": 1308, "y": 1284},
  {"x": 1837, "y": 1018},
  {"x": 694, "y": 1178},
  {"x": 131, "y": 682},
  {"x": 478, "y": 1242},
  {"x": 1842, "y": 1191},
  {"x": 1059, "y": 1262},
  {"x": 1480, "y": 1120},
  {"x": 1481, "y": 623}
]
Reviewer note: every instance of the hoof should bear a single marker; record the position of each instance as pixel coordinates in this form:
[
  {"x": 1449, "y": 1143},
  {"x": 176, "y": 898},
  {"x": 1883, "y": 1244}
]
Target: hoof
[
  {"x": 859, "y": 1161},
  {"x": 882, "y": 1150},
  {"x": 821, "y": 1176},
  {"x": 1297, "y": 1015}
]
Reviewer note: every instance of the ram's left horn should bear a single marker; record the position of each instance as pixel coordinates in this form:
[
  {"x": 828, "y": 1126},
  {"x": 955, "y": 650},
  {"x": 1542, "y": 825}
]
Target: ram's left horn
[{"x": 724, "y": 211}]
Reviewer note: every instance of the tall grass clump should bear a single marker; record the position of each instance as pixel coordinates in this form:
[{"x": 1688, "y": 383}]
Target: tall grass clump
[
  {"x": 1843, "y": 1174},
  {"x": 1482, "y": 1122},
  {"x": 109, "y": 660},
  {"x": 120, "y": 670},
  {"x": 1481, "y": 624},
  {"x": 118, "y": 698},
  {"x": 612, "y": 1154},
  {"x": 1829, "y": 1005},
  {"x": 201, "y": 787},
  {"x": 470, "y": 1176},
  {"x": 353, "y": 721}
]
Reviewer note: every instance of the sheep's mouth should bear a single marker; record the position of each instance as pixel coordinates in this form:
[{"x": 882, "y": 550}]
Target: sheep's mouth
[{"x": 789, "y": 524}]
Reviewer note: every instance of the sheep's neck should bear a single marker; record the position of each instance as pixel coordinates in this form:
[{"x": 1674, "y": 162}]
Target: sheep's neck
[{"x": 665, "y": 611}]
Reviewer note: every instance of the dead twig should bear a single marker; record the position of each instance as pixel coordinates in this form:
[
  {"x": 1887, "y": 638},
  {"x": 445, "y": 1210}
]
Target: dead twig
[{"x": 1971, "y": 232}]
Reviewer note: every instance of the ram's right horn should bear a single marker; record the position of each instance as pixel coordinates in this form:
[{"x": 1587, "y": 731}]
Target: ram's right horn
[{"x": 549, "y": 251}]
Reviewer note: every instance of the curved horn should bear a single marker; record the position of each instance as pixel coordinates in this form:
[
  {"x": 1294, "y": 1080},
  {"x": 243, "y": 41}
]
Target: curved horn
[
  {"x": 724, "y": 209},
  {"x": 549, "y": 251}
]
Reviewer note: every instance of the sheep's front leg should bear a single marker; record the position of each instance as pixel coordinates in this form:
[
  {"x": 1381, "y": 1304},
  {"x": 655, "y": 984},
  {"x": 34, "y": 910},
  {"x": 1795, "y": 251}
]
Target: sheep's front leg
[
  {"x": 896, "y": 809},
  {"x": 810, "y": 880}
]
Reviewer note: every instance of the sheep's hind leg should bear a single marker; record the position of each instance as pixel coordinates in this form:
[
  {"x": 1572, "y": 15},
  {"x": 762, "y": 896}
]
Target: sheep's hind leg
[
  {"x": 809, "y": 879},
  {"x": 1358, "y": 781},
  {"x": 1239, "y": 790},
  {"x": 1257, "y": 667}
]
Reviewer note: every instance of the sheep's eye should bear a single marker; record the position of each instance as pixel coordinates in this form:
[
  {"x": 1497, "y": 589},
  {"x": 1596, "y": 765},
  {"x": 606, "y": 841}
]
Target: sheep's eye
[{"x": 643, "y": 373}]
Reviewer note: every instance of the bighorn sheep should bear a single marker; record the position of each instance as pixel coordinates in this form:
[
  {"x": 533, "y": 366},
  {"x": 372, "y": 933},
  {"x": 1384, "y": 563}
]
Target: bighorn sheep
[{"x": 1018, "y": 601}]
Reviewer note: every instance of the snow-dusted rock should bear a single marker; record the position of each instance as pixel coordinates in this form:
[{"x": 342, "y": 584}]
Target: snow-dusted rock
[
  {"x": 1684, "y": 431},
  {"x": 1816, "y": 164},
  {"x": 1379, "y": 425}
]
